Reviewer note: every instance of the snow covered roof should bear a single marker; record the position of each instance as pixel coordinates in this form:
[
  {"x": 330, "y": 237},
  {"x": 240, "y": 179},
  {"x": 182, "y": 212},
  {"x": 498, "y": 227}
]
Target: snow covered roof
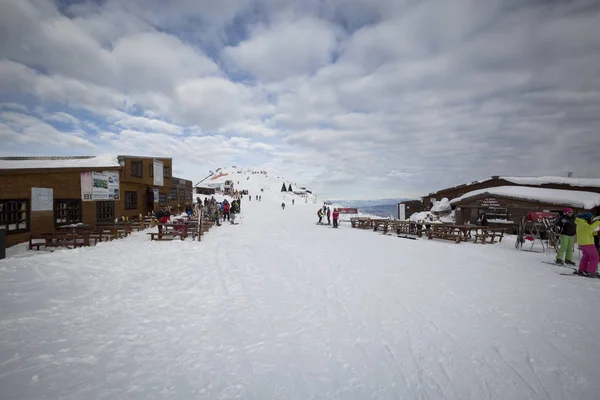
[
  {"x": 559, "y": 180},
  {"x": 587, "y": 200},
  {"x": 59, "y": 162}
]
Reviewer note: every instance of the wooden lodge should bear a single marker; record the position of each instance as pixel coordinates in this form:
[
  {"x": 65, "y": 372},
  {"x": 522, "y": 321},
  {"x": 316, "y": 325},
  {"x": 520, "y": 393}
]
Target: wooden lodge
[{"x": 42, "y": 194}]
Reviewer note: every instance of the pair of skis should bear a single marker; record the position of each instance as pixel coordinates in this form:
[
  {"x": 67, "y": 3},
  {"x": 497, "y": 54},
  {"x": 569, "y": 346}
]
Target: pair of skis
[{"x": 572, "y": 269}]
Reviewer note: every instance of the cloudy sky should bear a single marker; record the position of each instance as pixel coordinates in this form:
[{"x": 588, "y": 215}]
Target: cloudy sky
[{"x": 353, "y": 98}]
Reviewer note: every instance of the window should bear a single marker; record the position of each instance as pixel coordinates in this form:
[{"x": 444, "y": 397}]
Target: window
[
  {"x": 189, "y": 195},
  {"x": 131, "y": 200},
  {"x": 14, "y": 215},
  {"x": 494, "y": 213},
  {"x": 166, "y": 172},
  {"x": 162, "y": 199},
  {"x": 151, "y": 170},
  {"x": 67, "y": 211},
  {"x": 173, "y": 194},
  {"x": 105, "y": 211},
  {"x": 137, "y": 169},
  {"x": 182, "y": 194}
]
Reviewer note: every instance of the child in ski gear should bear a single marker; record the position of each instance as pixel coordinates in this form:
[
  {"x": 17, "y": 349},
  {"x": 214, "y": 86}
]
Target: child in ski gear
[
  {"x": 585, "y": 240},
  {"x": 320, "y": 215},
  {"x": 328, "y": 216},
  {"x": 567, "y": 229},
  {"x": 336, "y": 215},
  {"x": 283, "y": 205},
  {"x": 226, "y": 210}
]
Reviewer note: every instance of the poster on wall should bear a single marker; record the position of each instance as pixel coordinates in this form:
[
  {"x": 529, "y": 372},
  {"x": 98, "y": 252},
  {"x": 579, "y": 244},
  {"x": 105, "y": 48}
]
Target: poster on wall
[
  {"x": 156, "y": 195},
  {"x": 157, "y": 167},
  {"x": 401, "y": 212},
  {"x": 42, "y": 199},
  {"x": 100, "y": 185}
]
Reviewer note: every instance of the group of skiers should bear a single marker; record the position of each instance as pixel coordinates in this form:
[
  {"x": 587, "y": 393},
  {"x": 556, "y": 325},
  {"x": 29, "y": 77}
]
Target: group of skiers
[
  {"x": 326, "y": 211},
  {"x": 584, "y": 227}
]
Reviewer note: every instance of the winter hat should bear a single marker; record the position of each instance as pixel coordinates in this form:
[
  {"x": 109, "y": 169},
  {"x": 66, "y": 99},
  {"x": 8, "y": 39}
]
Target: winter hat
[
  {"x": 567, "y": 210},
  {"x": 586, "y": 215}
]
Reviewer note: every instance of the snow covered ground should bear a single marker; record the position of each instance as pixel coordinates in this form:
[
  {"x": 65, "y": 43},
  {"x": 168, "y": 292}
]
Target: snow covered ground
[{"x": 280, "y": 308}]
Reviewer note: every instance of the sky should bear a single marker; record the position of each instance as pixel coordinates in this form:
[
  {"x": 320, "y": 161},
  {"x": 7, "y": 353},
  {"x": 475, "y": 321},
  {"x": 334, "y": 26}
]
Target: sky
[{"x": 355, "y": 99}]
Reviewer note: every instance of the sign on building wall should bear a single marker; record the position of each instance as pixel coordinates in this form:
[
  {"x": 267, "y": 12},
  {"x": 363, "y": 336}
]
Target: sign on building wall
[
  {"x": 490, "y": 202},
  {"x": 157, "y": 167},
  {"x": 42, "y": 199},
  {"x": 100, "y": 185},
  {"x": 156, "y": 195}
]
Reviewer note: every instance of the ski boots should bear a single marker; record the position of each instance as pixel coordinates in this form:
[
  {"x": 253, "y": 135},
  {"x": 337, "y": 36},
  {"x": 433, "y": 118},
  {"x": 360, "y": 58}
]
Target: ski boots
[
  {"x": 569, "y": 262},
  {"x": 559, "y": 262}
]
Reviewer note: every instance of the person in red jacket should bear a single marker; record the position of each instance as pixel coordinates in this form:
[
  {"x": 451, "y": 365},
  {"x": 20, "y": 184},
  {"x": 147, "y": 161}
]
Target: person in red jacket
[
  {"x": 336, "y": 215},
  {"x": 226, "y": 210}
]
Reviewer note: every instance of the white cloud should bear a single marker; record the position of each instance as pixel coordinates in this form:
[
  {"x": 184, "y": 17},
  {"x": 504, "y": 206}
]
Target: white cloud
[
  {"x": 285, "y": 49},
  {"x": 150, "y": 125}
]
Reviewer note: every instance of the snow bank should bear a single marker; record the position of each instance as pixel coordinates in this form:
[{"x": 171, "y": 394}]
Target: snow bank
[
  {"x": 441, "y": 206},
  {"x": 587, "y": 200},
  {"x": 66, "y": 162},
  {"x": 543, "y": 180}
]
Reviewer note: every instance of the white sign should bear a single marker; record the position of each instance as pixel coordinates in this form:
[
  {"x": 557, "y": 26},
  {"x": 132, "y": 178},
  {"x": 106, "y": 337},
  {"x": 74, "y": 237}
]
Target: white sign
[
  {"x": 402, "y": 212},
  {"x": 156, "y": 195},
  {"x": 42, "y": 199},
  {"x": 157, "y": 167},
  {"x": 100, "y": 185}
]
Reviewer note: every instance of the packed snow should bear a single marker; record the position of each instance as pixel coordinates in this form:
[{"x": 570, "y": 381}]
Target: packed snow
[
  {"x": 278, "y": 307},
  {"x": 108, "y": 160},
  {"x": 573, "y": 198},
  {"x": 545, "y": 180}
]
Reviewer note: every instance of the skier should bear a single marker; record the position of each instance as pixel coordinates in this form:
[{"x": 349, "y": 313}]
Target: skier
[
  {"x": 336, "y": 215},
  {"x": 320, "y": 215},
  {"x": 283, "y": 205},
  {"x": 260, "y": 198},
  {"x": 292, "y": 201},
  {"x": 256, "y": 197},
  {"x": 567, "y": 229},
  {"x": 585, "y": 240},
  {"x": 249, "y": 198},
  {"x": 226, "y": 210},
  {"x": 328, "y": 216}
]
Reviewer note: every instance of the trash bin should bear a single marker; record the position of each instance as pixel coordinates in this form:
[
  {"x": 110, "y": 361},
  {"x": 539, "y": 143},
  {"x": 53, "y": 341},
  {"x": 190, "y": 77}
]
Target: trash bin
[{"x": 2, "y": 244}]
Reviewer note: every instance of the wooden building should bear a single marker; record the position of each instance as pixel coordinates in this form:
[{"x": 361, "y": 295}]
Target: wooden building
[
  {"x": 546, "y": 182},
  {"x": 508, "y": 204},
  {"x": 42, "y": 194},
  {"x": 410, "y": 207}
]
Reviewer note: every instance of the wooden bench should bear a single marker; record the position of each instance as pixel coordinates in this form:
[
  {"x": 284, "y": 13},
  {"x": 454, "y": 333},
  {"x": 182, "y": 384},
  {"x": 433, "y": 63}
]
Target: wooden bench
[
  {"x": 439, "y": 231},
  {"x": 486, "y": 235},
  {"x": 66, "y": 240},
  {"x": 158, "y": 236}
]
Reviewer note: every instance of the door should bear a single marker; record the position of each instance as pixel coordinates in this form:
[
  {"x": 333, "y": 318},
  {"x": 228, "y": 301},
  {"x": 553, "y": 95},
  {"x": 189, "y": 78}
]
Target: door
[{"x": 149, "y": 200}]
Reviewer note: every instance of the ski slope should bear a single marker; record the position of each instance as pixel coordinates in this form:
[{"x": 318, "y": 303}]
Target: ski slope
[{"x": 280, "y": 308}]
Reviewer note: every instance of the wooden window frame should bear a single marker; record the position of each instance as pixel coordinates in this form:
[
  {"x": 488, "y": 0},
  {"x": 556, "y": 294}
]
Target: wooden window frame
[
  {"x": 109, "y": 208},
  {"x": 182, "y": 194},
  {"x": 166, "y": 172},
  {"x": 172, "y": 194},
  {"x": 5, "y": 214},
  {"x": 151, "y": 170},
  {"x": 134, "y": 169},
  {"x": 162, "y": 199},
  {"x": 129, "y": 203},
  {"x": 72, "y": 215}
]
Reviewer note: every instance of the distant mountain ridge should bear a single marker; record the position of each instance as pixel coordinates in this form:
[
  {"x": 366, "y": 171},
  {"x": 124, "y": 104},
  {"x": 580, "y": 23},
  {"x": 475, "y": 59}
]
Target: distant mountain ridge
[{"x": 368, "y": 203}]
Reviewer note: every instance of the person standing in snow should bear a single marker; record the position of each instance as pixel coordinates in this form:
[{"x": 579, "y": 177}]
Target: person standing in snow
[
  {"x": 249, "y": 198},
  {"x": 226, "y": 210},
  {"x": 328, "y": 216},
  {"x": 292, "y": 201},
  {"x": 283, "y": 205},
  {"x": 585, "y": 239},
  {"x": 260, "y": 198},
  {"x": 336, "y": 215},
  {"x": 567, "y": 229},
  {"x": 320, "y": 215}
]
